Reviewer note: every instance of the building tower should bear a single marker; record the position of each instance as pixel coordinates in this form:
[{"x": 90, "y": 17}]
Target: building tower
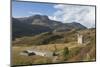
[{"x": 80, "y": 39}]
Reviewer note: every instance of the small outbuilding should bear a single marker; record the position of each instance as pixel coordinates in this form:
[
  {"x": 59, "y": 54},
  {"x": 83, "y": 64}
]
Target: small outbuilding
[{"x": 80, "y": 39}]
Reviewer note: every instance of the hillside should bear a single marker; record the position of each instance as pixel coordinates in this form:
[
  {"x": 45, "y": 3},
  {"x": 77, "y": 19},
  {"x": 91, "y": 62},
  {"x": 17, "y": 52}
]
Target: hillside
[
  {"x": 55, "y": 37},
  {"x": 20, "y": 29},
  {"x": 47, "y": 41},
  {"x": 37, "y": 24}
]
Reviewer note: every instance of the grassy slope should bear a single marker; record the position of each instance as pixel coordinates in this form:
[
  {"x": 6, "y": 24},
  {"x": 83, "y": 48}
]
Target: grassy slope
[
  {"x": 46, "y": 38},
  {"x": 84, "y": 52}
]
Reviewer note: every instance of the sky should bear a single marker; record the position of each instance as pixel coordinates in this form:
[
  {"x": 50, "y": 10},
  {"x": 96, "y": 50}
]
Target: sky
[{"x": 60, "y": 12}]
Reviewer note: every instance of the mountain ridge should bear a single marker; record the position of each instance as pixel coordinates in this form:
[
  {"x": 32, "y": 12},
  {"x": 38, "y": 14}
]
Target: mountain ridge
[{"x": 36, "y": 24}]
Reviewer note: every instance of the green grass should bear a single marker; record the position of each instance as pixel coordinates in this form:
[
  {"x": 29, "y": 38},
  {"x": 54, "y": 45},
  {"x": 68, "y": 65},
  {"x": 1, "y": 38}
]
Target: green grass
[
  {"x": 18, "y": 59},
  {"x": 47, "y": 41}
]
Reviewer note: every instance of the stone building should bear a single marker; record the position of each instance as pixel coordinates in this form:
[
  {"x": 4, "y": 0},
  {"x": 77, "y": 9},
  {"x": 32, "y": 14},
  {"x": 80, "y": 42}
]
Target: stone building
[{"x": 79, "y": 39}]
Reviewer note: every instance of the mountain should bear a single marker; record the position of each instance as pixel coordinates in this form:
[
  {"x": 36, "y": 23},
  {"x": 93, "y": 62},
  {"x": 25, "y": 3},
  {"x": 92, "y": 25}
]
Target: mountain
[
  {"x": 23, "y": 29},
  {"x": 75, "y": 25},
  {"x": 36, "y": 24}
]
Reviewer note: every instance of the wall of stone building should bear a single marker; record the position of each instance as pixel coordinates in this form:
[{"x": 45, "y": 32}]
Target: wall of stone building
[{"x": 80, "y": 39}]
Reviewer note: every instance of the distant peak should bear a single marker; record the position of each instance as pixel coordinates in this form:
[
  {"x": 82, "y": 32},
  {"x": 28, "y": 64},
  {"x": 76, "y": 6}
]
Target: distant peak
[
  {"x": 37, "y": 16},
  {"x": 74, "y": 22}
]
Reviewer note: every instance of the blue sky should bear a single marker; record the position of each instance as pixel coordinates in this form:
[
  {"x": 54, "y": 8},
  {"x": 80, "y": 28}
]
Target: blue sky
[
  {"x": 21, "y": 9},
  {"x": 60, "y": 12}
]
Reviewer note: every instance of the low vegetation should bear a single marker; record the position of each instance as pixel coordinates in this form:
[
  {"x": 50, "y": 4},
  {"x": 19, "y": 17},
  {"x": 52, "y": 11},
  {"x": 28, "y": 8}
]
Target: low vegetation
[{"x": 63, "y": 43}]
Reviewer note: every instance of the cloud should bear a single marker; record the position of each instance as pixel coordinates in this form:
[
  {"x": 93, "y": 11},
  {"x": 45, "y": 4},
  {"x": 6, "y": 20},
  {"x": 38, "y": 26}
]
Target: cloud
[
  {"x": 53, "y": 17},
  {"x": 30, "y": 13},
  {"x": 75, "y": 13},
  {"x": 33, "y": 13}
]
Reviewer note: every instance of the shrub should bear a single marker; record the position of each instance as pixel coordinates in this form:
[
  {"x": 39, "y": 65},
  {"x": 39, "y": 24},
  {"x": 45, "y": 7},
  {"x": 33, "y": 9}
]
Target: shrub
[{"x": 65, "y": 52}]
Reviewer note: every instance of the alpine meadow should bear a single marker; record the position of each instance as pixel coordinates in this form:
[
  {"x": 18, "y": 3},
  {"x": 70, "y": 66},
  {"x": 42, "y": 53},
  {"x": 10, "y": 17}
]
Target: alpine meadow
[{"x": 48, "y": 33}]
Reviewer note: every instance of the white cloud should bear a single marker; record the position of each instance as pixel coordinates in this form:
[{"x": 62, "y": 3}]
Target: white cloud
[
  {"x": 52, "y": 17},
  {"x": 30, "y": 13},
  {"x": 33, "y": 13},
  {"x": 70, "y": 13}
]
